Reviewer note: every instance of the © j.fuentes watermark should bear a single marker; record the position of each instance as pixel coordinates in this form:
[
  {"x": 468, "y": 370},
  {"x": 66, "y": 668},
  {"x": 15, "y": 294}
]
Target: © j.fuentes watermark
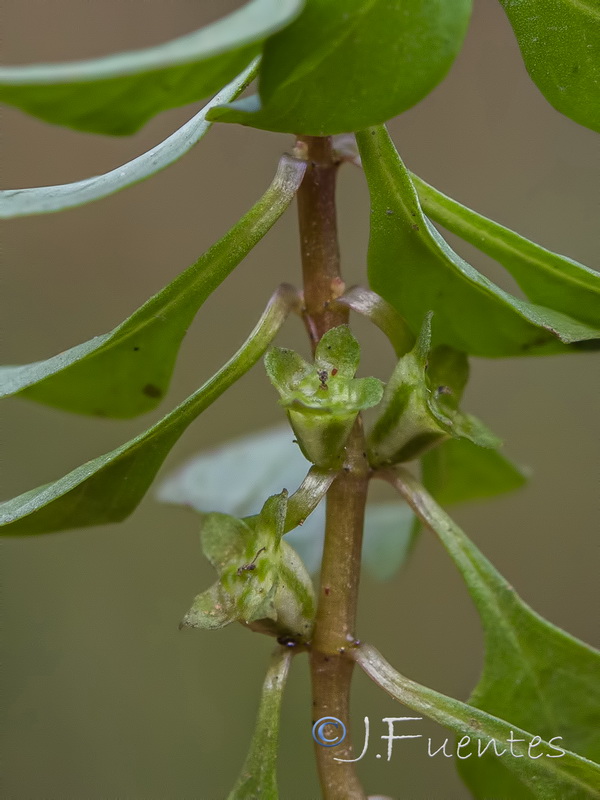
[{"x": 330, "y": 732}]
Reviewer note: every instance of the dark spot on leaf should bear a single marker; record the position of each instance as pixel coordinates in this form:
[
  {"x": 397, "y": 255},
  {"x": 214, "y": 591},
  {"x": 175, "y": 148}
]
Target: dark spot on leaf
[
  {"x": 136, "y": 349},
  {"x": 150, "y": 390},
  {"x": 415, "y": 227}
]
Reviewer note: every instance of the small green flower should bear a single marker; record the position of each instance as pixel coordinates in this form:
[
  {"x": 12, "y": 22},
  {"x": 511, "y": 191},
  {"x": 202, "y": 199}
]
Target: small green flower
[
  {"x": 419, "y": 409},
  {"x": 323, "y": 399},
  {"x": 262, "y": 581}
]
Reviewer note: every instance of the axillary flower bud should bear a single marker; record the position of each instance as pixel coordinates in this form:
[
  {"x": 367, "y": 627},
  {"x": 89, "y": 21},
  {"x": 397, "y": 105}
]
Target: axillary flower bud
[
  {"x": 262, "y": 581},
  {"x": 323, "y": 399},
  {"x": 419, "y": 409}
]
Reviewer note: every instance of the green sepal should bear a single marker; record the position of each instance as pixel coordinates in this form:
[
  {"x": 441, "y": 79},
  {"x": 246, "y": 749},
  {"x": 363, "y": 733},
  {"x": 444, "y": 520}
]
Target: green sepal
[
  {"x": 323, "y": 399},
  {"x": 262, "y": 581},
  {"x": 419, "y": 409}
]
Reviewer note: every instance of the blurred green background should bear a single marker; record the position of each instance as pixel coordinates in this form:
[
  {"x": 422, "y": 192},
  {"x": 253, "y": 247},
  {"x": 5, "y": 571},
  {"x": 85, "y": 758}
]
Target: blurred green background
[{"x": 103, "y": 696}]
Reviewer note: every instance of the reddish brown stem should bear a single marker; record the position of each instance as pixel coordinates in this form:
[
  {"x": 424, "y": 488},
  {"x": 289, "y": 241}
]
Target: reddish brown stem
[{"x": 340, "y": 569}]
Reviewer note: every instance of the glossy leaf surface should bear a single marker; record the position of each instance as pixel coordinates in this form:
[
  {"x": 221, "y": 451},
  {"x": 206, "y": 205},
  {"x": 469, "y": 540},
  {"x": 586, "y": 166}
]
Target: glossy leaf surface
[
  {"x": 412, "y": 267},
  {"x": 546, "y": 775},
  {"x": 560, "y": 45},
  {"x": 127, "y": 372},
  {"x": 258, "y": 778},
  {"x": 546, "y": 278},
  {"x": 118, "y": 93},
  {"x": 46, "y": 199},
  {"x": 342, "y": 66},
  {"x": 108, "y": 488},
  {"x": 535, "y": 675}
]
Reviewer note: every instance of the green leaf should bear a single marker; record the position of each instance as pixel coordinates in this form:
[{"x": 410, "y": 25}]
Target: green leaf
[
  {"x": 127, "y": 372},
  {"x": 459, "y": 470},
  {"x": 110, "y": 487},
  {"x": 321, "y": 76},
  {"x": 535, "y": 675},
  {"x": 258, "y": 778},
  {"x": 545, "y": 775},
  {"x": 46, "y": 199},
  {"x": 412, "y": 267},
  {"x": 118, "y": 93},
  {"x": 235, "y": 477},
  {"x": 389, "y": 537},
  {"x": 546, "y": 278},
  {"x": 560, "y": 45}
]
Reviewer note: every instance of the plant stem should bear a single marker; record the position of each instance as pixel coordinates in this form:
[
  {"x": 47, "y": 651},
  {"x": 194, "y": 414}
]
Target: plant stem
[
  {"x": 331, "y": 670},
  {"x": 318, "y": 238}
]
